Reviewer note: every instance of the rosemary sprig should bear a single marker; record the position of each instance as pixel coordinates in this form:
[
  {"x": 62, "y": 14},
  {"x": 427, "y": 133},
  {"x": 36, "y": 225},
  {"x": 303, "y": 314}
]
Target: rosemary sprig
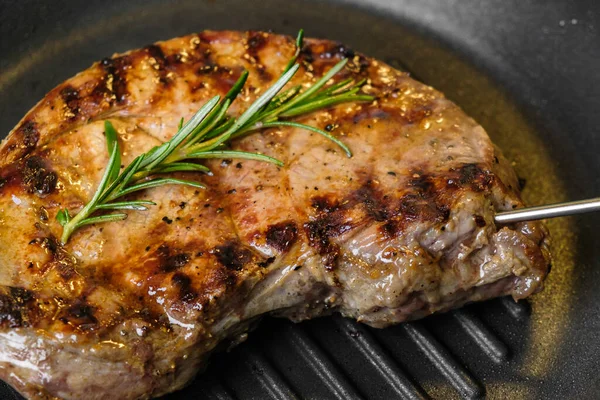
[{"x": 205, "y": 136}]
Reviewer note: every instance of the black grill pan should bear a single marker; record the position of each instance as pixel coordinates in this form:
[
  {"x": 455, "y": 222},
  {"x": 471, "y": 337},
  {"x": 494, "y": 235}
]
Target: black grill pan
[{"x": 528, "y": 71}]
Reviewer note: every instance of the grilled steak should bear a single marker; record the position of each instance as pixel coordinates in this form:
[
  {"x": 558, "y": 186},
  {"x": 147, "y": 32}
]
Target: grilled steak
[{"x": 132, "y": 309}]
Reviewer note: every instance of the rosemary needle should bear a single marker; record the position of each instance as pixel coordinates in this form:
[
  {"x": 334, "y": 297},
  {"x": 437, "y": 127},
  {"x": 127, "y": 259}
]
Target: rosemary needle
[{"x": 205, "y": 136}]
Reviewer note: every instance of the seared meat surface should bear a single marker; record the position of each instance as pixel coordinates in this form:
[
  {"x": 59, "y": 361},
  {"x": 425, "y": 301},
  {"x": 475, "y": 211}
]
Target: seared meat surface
[{"x": 132, "y": 309}]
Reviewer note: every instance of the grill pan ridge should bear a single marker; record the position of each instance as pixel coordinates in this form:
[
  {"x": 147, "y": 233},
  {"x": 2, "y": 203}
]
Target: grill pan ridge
[{"x": 527, "y": 71}]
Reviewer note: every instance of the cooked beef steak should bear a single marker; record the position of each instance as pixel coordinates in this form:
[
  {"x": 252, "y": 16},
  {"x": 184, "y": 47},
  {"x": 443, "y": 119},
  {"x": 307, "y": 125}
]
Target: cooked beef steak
[{"x": 132, "y": 309}]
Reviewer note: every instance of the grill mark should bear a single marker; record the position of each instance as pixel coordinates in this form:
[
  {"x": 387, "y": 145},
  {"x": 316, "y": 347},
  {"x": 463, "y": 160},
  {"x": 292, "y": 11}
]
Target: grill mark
[
  {"x": 473, "y": 176},
  {"x": 331, "y": 221},
  {"x": 184, "y": 284},
  {"x": 37, "y": 178},
  {"x": 359, "y": 65},
  {"x": 321, "y": 230},
  {"x": 115, "y": 81},
  {"x": 23, "y": 140},
  {"x": 422, "y": 184},
  {"x": 430, "y": 197},
  {"x": 324, "y": 204},
  {"x": 168, "y": 262},
  {"x": 210, "y": 36},
  {"x": 50, "y": 244},
  {"x": 320, "y": 56},
  {"x": 424, "y": 202},
  {"x": 66, "y": 271},
  {"x": 282, "y": 236},
  {"x": 156, "y": 52},
  {"x": 255, "y": 42},
  {"x": 222, "y": 78},
  {"x": 214, "y": 69},
  {"x": 233, "y": 255},
  {"x": 15, "y": 307},
  {"x": 306, "y": 54},
  {"x": 373, "y": 201},
  {"x": 30, "y": 134},
  {"x": 369, "y": 113},
  {"x": 413, "y": 208},
  {"x": 415, "y": 114},
  {"x": 217, "y": 279},
  {"x": 70, "y": 97},
  {"x": 418, "y": 112},
  {"x": 333, "y": 50},
  {"x": 159, "y": 62},
  {"x": 80, "y": 315},
  {"x": 61, "y": 260}
]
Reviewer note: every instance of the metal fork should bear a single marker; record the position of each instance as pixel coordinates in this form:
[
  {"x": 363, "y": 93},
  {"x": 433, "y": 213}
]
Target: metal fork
[{"x": 548, "y": 211}]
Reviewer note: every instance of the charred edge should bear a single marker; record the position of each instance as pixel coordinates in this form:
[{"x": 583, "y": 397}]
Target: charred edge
[
  {"x": 80, "y": 315},
  {"x": 14, "y": 307},
  {"x": 282, "y": 236},
  {"x": 170, "y": 262},
  {"x": 184, "y": 284},
  {"x": 37, "y": 178},
  {"x": 233, "y": 255},
  {"x": 160, "y": 62},
  {"x": 70, "y": 97},
  {"x": 116, "y": 84}
]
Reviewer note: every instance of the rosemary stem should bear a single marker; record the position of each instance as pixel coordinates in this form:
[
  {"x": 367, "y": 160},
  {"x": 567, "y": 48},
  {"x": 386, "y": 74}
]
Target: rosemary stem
[
  {"x": 207, "y": 135},
  {"x": 71, "y": 226}
]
